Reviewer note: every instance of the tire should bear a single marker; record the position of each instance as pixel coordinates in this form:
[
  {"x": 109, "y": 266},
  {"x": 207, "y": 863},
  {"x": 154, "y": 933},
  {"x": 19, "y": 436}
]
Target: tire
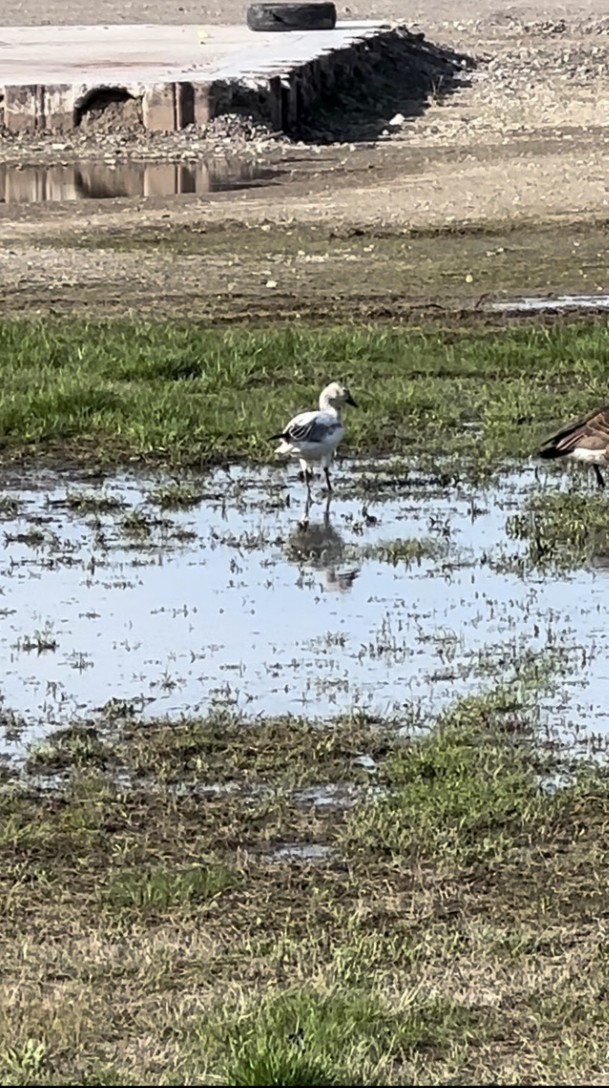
[{"x": 278, "y": 17}]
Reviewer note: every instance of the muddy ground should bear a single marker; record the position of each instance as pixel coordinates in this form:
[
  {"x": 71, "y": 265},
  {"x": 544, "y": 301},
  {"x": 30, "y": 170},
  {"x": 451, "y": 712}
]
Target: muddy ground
[{"x": 520, "y": 138}]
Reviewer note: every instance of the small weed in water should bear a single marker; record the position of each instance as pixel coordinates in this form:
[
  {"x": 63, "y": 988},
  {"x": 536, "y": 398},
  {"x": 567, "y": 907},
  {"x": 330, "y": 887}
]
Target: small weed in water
[
  {"x": 10, "y": 507},
  {"x": 137, "y": 524},
  {"x": 176, "y": 496},
  {"x": 92, "y": 502},
  {"x": 562, "y": 530},
  {"x": 41, "y": 641},
  {"x": 406, "y": 551},
  {"x": 33, "y": 538}
]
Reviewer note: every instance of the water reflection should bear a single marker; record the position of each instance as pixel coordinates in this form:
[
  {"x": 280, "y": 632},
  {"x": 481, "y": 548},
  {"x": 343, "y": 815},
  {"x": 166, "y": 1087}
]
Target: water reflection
[
  {"x": 102, "y": 181},
  {"x": 319, "y": 545}
]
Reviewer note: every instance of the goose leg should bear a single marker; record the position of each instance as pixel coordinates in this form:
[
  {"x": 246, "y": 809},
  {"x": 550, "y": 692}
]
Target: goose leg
[
  {"x": 327, "y": 475},
  {"x": 599, "y": 477},
  {"x": 303, "y": 524},
  {"x": 305, "y": 474}
]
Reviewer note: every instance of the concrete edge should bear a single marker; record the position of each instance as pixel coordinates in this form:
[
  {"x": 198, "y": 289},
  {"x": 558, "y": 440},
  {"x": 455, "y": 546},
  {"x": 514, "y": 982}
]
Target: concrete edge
[{"x": 283, "y": 98}]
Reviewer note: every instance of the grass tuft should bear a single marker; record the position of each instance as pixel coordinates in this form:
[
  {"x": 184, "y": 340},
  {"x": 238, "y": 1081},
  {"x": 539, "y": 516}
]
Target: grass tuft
[
  {"x": 301, "y": 1036},
  {"x": 403, "y": 550},
  {"x": 92, "y": 502},
  {"x": 467, "y": 793},
  {"x": 158, "y": 890},
  {"x": 176, "y": 496},
  {"x": 562, "y": 530}
]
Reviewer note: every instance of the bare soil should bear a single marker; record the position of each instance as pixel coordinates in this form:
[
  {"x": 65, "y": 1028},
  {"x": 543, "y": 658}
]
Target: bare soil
[{"x": 522, "y": 138}]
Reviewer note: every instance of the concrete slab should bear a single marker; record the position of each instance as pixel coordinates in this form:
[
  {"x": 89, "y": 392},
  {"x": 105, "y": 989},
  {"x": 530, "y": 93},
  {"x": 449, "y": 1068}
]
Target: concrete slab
[{"x": 47, "y": 73}]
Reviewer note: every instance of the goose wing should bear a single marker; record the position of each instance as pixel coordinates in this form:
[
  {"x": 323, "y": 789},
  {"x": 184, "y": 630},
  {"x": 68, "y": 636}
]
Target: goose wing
[
  {"x": 589, "y": 432},
  {"x": 312, "y": 427}
]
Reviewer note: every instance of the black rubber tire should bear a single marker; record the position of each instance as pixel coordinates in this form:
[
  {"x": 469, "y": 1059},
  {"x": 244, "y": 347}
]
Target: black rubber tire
[{"x": 277, "y": 17}]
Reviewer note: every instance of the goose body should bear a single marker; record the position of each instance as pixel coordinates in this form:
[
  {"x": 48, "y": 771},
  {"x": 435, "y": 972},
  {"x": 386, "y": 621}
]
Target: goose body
[
  {"x": 313, "y": 437},
  {"x": 586, "y": 440}
]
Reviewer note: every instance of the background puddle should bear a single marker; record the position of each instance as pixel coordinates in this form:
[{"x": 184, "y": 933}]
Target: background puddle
[
  {"x": 106, "y": 597},
  {"x": 99, "y": 181},
  {"x": 297, "y": 851},
  {"x": 535, "y": 304}
]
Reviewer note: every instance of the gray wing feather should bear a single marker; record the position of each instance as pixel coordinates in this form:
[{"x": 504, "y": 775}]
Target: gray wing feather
[{"x": 316, "y": 430}]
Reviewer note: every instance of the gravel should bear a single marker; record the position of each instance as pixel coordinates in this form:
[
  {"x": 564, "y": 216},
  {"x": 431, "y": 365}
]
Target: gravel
[{"x": 118, "y": 134}]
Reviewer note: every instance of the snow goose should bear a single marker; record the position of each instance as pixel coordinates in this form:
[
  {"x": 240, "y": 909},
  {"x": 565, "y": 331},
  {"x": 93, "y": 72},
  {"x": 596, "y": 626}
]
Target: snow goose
[{"x": 314, "y": 436}]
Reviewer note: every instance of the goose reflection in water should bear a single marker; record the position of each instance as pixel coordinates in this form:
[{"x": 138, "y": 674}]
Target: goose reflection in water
[{"x": 319, "y": 545}]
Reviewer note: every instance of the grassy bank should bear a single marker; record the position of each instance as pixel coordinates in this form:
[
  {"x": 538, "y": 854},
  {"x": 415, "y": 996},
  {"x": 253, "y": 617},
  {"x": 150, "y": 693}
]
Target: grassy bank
[
  {"x": 183, "y": 393},
  {"x": 161, "y": 923}
]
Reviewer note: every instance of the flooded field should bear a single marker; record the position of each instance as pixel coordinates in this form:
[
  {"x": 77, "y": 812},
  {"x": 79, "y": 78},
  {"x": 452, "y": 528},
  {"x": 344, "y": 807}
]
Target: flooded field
[{"x": 179, "y": 595}]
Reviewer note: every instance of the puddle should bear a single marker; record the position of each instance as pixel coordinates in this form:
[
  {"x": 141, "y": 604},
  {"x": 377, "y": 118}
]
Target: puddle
[
  {"x": 338, "y": 795},
  {"x": 229, "y": 603},
  {"x": 554, "y": 783},
  {"x": 367, "y": 763},
  {"x": 302, "y": 851},
  {"x": 99, "y": 181},
  {"x": 562, "y": 302}
]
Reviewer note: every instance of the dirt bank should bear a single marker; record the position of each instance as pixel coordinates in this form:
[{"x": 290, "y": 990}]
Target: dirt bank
[{"x": 523, "y": 136}]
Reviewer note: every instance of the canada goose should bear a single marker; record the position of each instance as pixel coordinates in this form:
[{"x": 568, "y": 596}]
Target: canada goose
[
  {"x": 587, "y": 439},
  {"x": 314, "y": 436}
]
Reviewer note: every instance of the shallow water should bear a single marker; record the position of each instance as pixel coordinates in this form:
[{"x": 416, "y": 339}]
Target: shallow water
[
  {"x": 100, "y": 180},
  {"x": 231, "y": 602},
  {"x": 299, "y": 851},
  {"x": 535, "y": 303}
]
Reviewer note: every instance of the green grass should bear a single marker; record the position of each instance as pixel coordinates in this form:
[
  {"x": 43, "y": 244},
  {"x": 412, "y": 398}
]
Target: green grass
[
  {"x": 456, "y": 933},
  {"x": 302, "y": 1036},
  {"x": 182, "y": 393},
  {"x": 137, "y": 893},
  {"x": 24, "y": 1062},
  {"x": 562, "y": 530},
  {"x": 465, "y": 793},
  {"x": 74, "y": 746}
]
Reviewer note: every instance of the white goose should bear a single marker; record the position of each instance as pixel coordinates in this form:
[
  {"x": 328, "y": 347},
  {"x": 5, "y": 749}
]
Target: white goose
[{"x": 314, "y": 436}]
